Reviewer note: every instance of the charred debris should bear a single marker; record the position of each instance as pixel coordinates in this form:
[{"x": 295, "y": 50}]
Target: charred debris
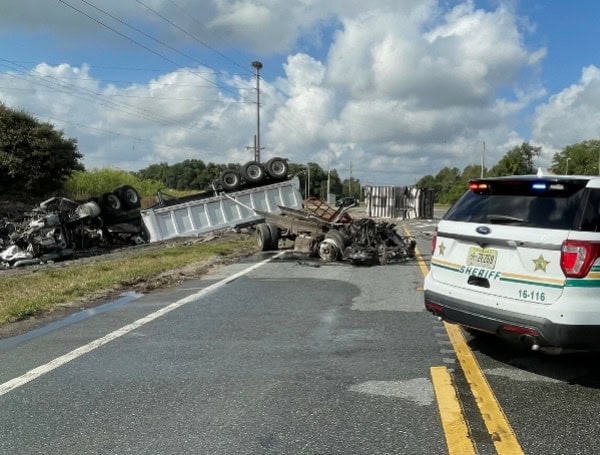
[
  {"x": 334, "y": 235},
  {"x": 60, "y": 228}
]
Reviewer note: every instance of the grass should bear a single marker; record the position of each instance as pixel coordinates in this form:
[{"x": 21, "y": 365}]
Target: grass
[{"x": 31, "y": 294}]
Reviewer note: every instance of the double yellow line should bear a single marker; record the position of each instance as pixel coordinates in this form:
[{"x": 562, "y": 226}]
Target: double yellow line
[{"x": 455, "y": 426}]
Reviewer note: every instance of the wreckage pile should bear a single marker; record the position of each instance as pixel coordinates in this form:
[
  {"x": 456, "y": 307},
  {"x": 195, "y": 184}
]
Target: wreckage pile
[
  {"x": 333, "y": 234},
  {"x": 362, "y": 241},
  {"x": 60, "y": 228},
  {"x": 370, "y": 242}
]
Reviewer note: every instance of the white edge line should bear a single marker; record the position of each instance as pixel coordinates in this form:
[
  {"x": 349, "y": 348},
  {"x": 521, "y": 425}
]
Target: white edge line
[{"x": 78, "y": 352}]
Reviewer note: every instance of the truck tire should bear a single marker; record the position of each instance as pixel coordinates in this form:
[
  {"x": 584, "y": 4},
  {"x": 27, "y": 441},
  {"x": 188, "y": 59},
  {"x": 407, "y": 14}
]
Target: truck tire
[
  {"x": 275, "y": 235},
  {"x": 253, "y": 172},
  {"x": 230, "y": 179},
  {"x": 129, "y": 197},
  {"x": 332, "y": 247},
  {"x": 328, "y": 250},
  {"x": 339, "y": 239},
  {"x": 277, "y": 168},
  {"x": 263, "y": 237},
  {"x": 111, "y": 203}
]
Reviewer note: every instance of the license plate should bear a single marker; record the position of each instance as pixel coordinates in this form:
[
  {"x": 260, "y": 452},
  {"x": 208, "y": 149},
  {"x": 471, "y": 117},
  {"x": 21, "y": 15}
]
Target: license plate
[{"x": 482, "y": 257}]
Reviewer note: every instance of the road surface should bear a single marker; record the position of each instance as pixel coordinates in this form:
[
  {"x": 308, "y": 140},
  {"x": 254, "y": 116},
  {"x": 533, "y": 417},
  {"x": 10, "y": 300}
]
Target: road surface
[{"x": 281, "y": 354}]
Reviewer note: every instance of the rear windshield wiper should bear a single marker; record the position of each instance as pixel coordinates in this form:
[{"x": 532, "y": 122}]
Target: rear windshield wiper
[{"x": 500, "y": 219}]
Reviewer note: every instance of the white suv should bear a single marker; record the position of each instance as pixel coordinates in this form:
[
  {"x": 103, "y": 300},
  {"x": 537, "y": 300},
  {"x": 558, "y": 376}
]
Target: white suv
[{"x": 520, "y": 257}]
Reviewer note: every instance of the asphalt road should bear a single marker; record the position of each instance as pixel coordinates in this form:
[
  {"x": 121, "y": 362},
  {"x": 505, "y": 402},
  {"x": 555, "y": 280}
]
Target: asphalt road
[
  {"x": 291, "y": 357},
  {"x": 295, "y": 357},
  {"x": 552, "y": 402}
]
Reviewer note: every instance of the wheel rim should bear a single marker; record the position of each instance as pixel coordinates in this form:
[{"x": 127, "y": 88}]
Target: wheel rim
[
  {"x": 230, "y": 179},
  {"x": 328, "y": 250},
  {"x": 113, "y": 202},
  {"x": 278, "y": 168},
  {"x": 254, "y": 171},
  {"x": 131, "y": 197}
]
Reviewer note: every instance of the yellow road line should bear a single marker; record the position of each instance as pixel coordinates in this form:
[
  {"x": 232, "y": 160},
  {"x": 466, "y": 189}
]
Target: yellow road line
[
  {"x": 454, "y": 424},
  {"x": 503, "y": 436},
  {"x": 495, "y": 420}
]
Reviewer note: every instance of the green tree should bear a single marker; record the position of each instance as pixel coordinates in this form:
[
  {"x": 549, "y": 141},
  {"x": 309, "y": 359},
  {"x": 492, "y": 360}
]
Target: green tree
[
  {"x": 449, "y": 184},
  {"x": 447, "y": 179},
  {"x": 318, "y": 179},
  {"x": 154, "y": 172},
  {"x": 35, "y": 158},
  {"x": 427, "y": 182},
  {"x": 518, "y": 161},
  {"x": 335, "y": 183},
  {"x": 351, "y": 187},
  {"x": 187, "y": 175},
  {"x": 582, "y": 159},
  {"x": 472, "y": 172}
]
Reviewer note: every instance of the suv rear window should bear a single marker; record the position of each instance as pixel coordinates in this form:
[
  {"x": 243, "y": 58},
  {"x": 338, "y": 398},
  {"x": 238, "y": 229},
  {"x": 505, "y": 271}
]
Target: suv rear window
[
  {"x": 532, "y": 203},
  {"x": 590, "y": 220}
]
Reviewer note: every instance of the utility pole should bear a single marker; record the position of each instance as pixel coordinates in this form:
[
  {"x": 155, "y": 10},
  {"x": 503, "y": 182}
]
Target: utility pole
[
  {"x": 350, "y": 182},
  {"x": 257, "y": 66},
  {"x": 328, "y": 176},
  {"x": 482, "y": 159}
]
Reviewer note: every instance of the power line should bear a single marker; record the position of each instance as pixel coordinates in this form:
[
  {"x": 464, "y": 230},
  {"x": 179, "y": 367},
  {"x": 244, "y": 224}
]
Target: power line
[
  {"x": 146, "y": 70},
  {"x": 138, "y": 43},
  {"x": 113, "y": 133},
  {"x": 64, "y": 87},
  {"x": 131, "y": 82},
  {"x": 142, "y": 32},
  {"x": 83, "y": 125},
  {"x": 194, "y": 37},
  {"x": 157, "y": 98}
]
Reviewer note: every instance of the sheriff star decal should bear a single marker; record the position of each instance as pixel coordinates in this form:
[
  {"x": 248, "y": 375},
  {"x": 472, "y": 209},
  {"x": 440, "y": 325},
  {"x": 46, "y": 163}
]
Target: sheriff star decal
[
  {"x": 441, "y": 249},
  {"x": 540, "y": 264}
]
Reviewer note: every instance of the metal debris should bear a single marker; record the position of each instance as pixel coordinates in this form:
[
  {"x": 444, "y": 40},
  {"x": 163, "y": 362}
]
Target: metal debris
[
  {"x": 60, "y": 228},
  {"x": 370, "y": 242},
  {"x": 332, "y": 234}
]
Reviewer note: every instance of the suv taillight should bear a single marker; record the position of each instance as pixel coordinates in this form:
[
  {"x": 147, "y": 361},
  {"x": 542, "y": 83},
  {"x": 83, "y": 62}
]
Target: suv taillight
[
  {"x": 433, "y": 241},
  {"x": 577, "y": 257}
]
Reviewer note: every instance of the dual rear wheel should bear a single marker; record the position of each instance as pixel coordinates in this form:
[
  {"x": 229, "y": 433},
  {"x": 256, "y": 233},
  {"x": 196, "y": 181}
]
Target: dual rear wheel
[
  {"x": 267, "y": 236},
  {"x": 254, "y": 172}
]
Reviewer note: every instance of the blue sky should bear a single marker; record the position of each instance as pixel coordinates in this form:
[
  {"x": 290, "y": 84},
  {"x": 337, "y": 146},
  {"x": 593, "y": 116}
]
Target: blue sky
[
  {"x": 569, "y": 31},
  {"x": 395, "y": 89}
]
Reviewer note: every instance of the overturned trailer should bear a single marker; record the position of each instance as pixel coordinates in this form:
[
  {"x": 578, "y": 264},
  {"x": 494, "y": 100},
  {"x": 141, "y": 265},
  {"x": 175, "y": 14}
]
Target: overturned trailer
[{"x": 202, "y": 214}]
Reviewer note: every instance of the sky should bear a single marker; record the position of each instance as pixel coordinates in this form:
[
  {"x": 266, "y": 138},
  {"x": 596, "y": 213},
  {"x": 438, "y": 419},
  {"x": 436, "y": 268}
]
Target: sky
[{"x": 386, "y": 91}]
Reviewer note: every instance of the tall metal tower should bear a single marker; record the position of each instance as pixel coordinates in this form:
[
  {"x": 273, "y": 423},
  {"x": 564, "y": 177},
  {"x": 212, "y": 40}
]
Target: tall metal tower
[{"x": 257, "y": 66}]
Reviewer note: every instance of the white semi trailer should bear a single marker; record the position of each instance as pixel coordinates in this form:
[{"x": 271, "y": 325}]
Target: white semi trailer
[{"x": 190, "y": 218}]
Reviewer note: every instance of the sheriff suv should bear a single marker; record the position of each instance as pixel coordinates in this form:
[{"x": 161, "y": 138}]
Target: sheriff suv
[{"x": 520, "y": 257}]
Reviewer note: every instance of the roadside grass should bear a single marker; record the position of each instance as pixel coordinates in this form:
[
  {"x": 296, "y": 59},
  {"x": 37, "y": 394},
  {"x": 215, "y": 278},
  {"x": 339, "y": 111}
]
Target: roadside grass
[{"x": 31, "y": 294}]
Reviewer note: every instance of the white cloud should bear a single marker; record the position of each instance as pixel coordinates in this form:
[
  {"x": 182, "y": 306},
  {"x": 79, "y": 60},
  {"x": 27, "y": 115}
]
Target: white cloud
[
  {"x": 405, "y": 88},
  {"x": 571, "y": 116}
]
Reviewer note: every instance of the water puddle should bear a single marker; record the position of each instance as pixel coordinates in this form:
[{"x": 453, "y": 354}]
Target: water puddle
[{"x": 72, "y": 319}]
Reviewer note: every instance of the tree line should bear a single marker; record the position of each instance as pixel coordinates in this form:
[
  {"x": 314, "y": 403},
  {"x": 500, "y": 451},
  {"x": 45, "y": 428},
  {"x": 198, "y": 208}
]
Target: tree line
[
  {"x": 36, "y": 159},
  {"x": 578, "y": 159},
  {"x": 194, "y": 174}
]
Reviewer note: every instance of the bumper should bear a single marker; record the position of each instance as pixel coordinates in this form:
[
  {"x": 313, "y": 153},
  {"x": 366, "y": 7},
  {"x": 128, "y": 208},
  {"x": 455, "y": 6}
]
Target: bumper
[{"x": 506, "y": 324}]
